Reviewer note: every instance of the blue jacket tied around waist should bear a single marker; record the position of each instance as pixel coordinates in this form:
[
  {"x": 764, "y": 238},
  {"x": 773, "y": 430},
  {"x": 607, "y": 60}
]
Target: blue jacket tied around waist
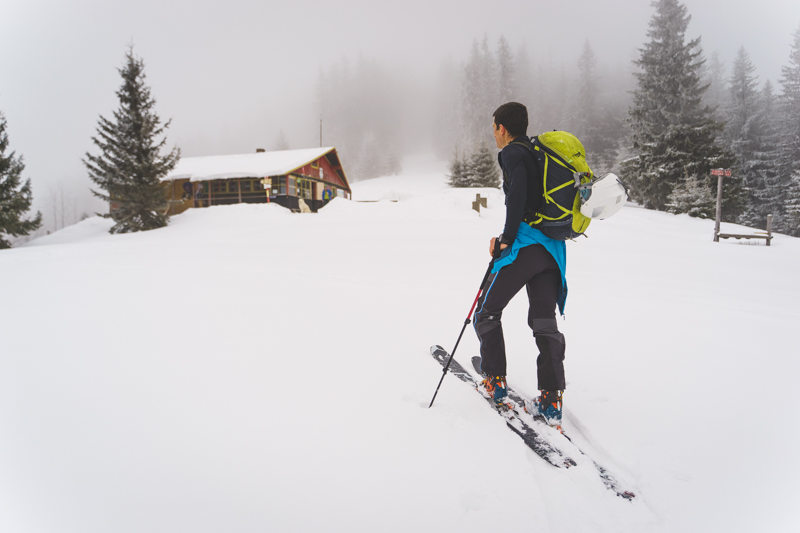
[{"x": 526, "y": 236}]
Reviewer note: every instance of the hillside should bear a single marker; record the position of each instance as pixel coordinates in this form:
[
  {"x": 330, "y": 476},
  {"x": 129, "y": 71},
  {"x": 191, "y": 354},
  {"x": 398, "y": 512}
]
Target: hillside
[{"x": 247, "y": 369}]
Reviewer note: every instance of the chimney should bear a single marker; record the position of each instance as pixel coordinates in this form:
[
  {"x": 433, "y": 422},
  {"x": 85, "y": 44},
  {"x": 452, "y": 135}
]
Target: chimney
[{"x": 259, "y": 150}]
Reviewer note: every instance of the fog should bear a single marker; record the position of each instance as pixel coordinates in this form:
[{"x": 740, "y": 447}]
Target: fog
[{"x": 232, "y": 76}]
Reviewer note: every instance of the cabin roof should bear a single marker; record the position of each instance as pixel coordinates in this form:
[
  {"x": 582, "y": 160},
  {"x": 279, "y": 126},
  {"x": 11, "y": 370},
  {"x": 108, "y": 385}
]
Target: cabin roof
[{"x": 252, "y": 165}]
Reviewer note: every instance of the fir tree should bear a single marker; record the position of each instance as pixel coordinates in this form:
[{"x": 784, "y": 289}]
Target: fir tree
[
  {"x": 458, "y": 176},
  {"x": 693, "y": 197},
  {"x": 791, "y": 219},
  {"x": 743, "y": 129},
  {"x": 506, "y": 72},
  {"x": 673, "y": 135},
  {"x": 595, "y": 125},
  {"x": 280, "y": 142},
  {"x": 483, "y": 170},
  {"x": 789, "y": 158},
  {"x": 713, "y": 75},
  {"x": 768, "y": 194},
  {"x": 15, "y": 200},
  {"x": 130, "y": 166},
  {"x": 479, "y": 95},
  {"x": 524, "y": 82}
]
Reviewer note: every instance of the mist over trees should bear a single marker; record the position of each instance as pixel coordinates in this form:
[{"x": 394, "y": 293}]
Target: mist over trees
[
  {"x": 662, "y": 122},
  {"x": 673, "y": 135},
  {"x": 362, "y": 109}
]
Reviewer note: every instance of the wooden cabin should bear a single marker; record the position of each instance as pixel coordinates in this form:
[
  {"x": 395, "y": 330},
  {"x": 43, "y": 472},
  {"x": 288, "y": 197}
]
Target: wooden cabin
[{"x": 313, "y": 175}]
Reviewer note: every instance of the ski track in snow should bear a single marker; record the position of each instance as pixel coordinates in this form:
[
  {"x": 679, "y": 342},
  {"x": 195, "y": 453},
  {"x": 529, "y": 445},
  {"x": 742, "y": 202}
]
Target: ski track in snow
[{"x": 249, "y": 369}]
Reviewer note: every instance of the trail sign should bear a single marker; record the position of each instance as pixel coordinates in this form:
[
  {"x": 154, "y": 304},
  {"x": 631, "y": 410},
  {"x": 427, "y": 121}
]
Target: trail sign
[{"x": 721, "y": 172}]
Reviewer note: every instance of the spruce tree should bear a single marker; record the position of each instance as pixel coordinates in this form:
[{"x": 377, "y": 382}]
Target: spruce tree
[
  {"x": 506, "y": 73},
  {"x": 743, "y": 130},
  {"x": 791, "y": 219},
  {"x": 789, "y": 158},
  {"x": 483, "y": 170},
  {"x": 672, "y": 134},
  {"x": 479, "y": 96},
  {"x": 713, "y": 75},
  {"x": 130, "y": 165},
  {"x": 694, "y": 197},
  {"x": 595, "y": 125},
  {"x": 458, "y": 176},
  {"x": 768, "y": 195},
  {"x": 15, "y": 200}
]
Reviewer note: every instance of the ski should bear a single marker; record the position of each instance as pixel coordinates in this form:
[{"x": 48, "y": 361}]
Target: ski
[
  {"x": 528, "y": 434},
  {"x": 608, "y": 480}
]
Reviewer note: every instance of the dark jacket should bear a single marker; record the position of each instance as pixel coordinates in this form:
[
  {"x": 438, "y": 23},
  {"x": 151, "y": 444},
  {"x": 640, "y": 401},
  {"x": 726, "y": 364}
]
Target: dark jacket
[{"x": 522, "y": 184}]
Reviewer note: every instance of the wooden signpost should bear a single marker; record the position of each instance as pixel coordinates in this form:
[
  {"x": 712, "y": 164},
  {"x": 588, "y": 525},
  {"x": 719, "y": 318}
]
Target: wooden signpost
[
  {"x": 267, "y": 183},
  {"x": 479, "y": 201},
  {"x": 721, "y": 173}
]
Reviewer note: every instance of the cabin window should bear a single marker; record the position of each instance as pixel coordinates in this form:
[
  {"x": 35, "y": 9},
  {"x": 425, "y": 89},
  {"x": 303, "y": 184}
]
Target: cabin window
[
  {"x": 303, "y": 188},
  {"x": 315, "y": 164},
  {"x": 219, "y": 187},
  {"x": 246, "y": 186},
  {"x": 279, "y": 185},
  {"x": 233, "y": 186},
  {"x": 290, "y": 186}
]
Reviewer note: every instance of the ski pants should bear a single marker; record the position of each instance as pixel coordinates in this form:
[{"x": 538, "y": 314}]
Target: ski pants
[{"x": 537, "y": 271}]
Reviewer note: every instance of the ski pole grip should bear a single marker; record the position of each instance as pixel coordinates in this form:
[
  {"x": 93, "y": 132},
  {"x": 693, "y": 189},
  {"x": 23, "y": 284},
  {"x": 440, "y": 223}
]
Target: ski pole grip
[{"x": 496, "y": 251}]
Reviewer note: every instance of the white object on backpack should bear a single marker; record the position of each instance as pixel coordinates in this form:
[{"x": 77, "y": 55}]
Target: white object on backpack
[{"x": 603, "y": 197}]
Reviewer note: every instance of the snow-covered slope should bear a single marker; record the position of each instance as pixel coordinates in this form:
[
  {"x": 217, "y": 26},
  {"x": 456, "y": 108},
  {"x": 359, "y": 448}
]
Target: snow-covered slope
[{"x": 248, "y": 369}]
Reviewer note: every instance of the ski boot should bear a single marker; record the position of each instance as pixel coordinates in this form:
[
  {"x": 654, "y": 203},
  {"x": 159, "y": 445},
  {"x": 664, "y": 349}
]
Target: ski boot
[
  {"x": 495, "y": 388},
  {"x": 547, "y": 407}
]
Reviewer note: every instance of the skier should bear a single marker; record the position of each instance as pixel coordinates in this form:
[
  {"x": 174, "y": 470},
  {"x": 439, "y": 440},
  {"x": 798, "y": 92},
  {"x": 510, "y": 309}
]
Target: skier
[{"x": 525, "y": 258}]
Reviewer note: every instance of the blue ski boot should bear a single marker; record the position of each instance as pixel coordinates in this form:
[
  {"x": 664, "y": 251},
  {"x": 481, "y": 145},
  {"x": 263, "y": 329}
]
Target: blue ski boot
[
  {"x": 495, "y": 388},
  {"x": 547, "y": 406}
]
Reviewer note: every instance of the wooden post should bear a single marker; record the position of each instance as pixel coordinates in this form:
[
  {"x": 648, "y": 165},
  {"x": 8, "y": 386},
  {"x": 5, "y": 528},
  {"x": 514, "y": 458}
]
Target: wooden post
[
  {"x": 476, "y": 205},
  {"x": 719, "y": 209},
  {"x": 769, "y": 229},
  {"x": 239, "y": 186}
]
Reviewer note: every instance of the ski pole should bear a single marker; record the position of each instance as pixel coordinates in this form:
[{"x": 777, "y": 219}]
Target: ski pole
[{"x": 467, "y": 321}]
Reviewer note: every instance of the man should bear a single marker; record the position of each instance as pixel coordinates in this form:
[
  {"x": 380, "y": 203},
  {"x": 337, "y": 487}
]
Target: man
[{"x": 527, "y": 258}]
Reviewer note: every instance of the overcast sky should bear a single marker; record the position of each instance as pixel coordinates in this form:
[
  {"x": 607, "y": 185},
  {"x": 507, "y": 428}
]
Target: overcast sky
[{"x": 232, "y": 74}]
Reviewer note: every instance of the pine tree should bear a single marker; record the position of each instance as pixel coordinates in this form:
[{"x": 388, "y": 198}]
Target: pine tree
[
  {"x": 483, "y": 170},
  {"x": 743, "y": 130},
  {"x": 524, "y": 81},
  {"x": 672, "y": 134},
  {"x": 791, "y": 220},
  {"x": 130, "y": 166},
  {"x": 768, "y": 194},
  {"x": 459, "y": 175},
  {"x": 479, "y": 95},
  {"x": 789, "y": 158},
  {"x": 713, "y": 75},
  {"x": 506, "y": 73},
  {"x": 280, "y": 142},
  {"x": 15, "y": 201},
  {"x": 596, "y": 127},
  {"x": 693, "y": 197}
]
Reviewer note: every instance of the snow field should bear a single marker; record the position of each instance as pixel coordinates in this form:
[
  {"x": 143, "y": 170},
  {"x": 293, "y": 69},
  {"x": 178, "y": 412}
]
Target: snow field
[{"x": 248, "y": 369}]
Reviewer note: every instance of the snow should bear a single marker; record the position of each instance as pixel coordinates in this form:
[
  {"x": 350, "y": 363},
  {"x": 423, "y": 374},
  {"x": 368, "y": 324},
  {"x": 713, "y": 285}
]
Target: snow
[
  {"x": 252, "y": 165},
  {"x": 250, "y": 369}
]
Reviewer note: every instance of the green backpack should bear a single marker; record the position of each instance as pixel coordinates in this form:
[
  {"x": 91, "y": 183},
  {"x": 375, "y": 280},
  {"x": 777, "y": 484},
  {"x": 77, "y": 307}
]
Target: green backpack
[{"x": 562, "y": 164}]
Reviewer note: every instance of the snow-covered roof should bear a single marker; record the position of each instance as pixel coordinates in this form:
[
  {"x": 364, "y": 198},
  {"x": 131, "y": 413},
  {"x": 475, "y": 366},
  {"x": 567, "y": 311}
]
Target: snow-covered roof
[{"x": 252, "y": 165}]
